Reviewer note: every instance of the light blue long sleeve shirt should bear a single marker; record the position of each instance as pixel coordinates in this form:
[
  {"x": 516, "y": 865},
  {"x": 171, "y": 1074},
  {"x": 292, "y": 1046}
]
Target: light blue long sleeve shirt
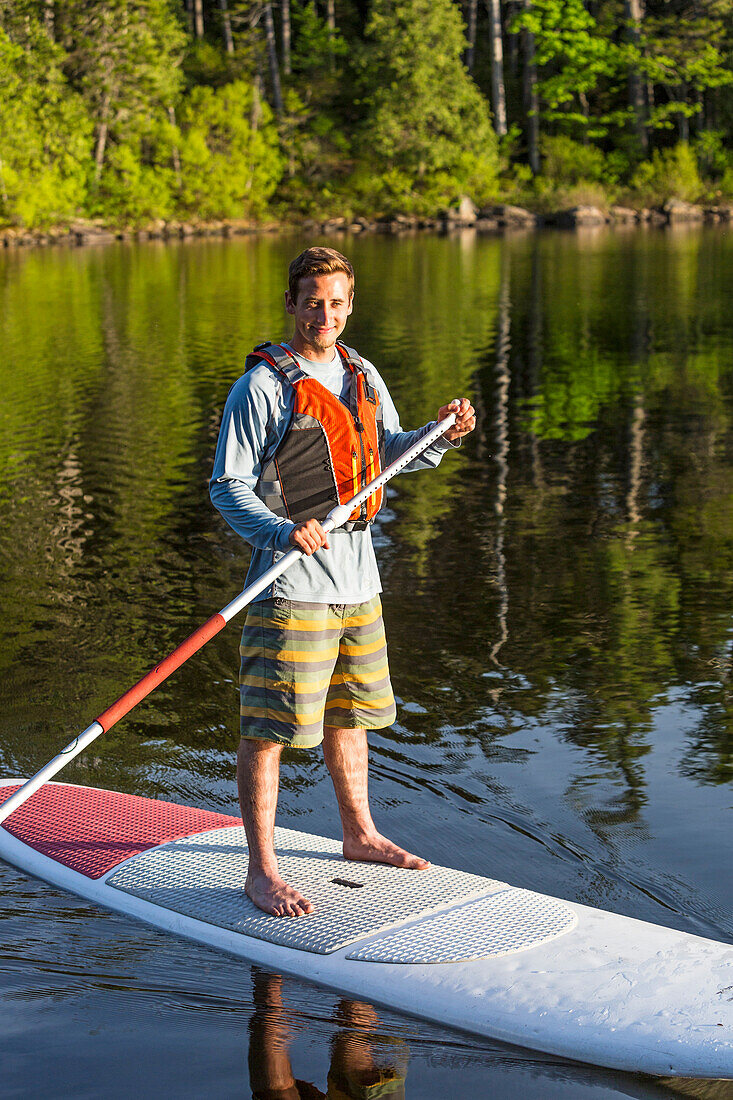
[{"x": 257, "y": 414}]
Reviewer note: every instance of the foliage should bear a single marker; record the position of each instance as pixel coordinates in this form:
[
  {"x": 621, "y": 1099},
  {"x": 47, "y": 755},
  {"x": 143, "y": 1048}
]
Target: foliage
[
  {"x": 122, "y": 110},
  {"x": 671, "y": 173},
  {"x": 426, "y": 121},
  {"x": 573, "y": 57},
  {"x": 229, "y": 168},
  {"x": 45, "y": 132}
]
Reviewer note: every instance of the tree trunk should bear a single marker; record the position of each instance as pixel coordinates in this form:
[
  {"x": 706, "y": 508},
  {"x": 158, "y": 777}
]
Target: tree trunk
[
  {"x": 285, "y": 13},
  {"x": 198, "y": 18},
  {"x": 468, "y": 57},
  {"x": 49, "y": 19},
  {"x": 101, "y": 138},
  {"x": 531, "y": 101},
  {"x": 277, "y": 95},
  {"x": 331, "y": 24},
  {"x": 256, "y": 115},
  {"x": 498, "y": 95},
  {"x": 634, "y": 13},
  {"x": 226, "y": 24},
  {"x": 175, "y": 154},
  {"x": 513, "y": 50},
  {"x": 3, "y": 192}
]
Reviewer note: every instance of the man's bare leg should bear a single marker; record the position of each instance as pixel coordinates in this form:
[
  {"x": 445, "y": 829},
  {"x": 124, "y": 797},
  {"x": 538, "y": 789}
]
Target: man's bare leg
[
  {"x": 258, "y": 779},
  {"x": 347, "y": 759}
]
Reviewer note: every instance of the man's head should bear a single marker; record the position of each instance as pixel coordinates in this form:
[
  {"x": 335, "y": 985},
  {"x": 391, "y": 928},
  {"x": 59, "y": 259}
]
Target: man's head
[
  {"x": 318, "y": 261},
  {"x": 320, "y": 299}
]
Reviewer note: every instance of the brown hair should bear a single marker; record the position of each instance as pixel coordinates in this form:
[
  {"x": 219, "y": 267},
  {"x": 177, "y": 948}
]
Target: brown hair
[{"x": 318, "y": 261}]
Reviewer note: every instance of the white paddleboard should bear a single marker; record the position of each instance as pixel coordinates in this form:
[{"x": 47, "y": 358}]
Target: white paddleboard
[{"x": 450, "y": 947}]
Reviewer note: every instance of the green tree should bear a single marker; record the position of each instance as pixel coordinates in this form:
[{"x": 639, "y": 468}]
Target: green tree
[
  {"x": 125, "y": 59},
  {"x": 44, "y": 133},
  {"x": 228, "y": 169},
  {"x": 573, "y": 57},
  {"x": 426, "y": 121},
  {"x": 684, "y": 54}
]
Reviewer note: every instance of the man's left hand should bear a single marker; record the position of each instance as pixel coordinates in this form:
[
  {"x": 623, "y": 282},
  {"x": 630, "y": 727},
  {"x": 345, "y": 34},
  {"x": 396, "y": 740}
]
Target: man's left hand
[{"x": 465, "y": 418}]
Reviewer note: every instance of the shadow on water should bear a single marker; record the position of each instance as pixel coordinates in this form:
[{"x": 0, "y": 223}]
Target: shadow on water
[{"x": 557, "y": 593}]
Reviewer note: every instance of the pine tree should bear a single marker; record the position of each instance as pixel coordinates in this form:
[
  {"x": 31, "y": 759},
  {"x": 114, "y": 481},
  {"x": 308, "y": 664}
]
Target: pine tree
[{"x": 427, "y": 128}]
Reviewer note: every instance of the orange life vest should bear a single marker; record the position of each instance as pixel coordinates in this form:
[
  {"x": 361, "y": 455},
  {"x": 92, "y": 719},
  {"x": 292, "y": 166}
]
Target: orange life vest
[{"x": 331, "y": 450}]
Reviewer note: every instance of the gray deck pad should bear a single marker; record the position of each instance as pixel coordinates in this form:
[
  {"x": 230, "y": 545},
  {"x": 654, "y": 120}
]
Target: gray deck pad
[
  {"x": 203, "y": 877},
  {"x": 510, "y": 920}
]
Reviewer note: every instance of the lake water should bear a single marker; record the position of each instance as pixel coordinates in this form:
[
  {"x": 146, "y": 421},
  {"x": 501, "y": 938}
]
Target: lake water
[{"x": 557, "y": 595}]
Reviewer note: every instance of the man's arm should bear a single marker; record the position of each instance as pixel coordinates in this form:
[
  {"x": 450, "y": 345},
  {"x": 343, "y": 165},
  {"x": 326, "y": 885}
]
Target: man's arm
[{"x": 255, "y": 416}]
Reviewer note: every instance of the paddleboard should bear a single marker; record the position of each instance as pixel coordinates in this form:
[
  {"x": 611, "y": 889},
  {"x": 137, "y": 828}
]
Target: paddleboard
[{"x": 451, "y": 947}]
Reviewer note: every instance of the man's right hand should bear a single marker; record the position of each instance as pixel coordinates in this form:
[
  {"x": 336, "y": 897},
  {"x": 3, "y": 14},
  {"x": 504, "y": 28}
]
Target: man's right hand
[{"x": 309, "y": 537}]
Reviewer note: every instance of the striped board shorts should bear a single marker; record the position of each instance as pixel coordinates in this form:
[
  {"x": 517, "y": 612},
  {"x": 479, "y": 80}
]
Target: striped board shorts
[{"x": 309, "y": 664}]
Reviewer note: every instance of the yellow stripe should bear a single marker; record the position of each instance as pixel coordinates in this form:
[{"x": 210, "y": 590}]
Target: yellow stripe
[
  {"x": 362, "y": 650},
  {"x": 363, "y": 678},
  {"x": 288, "y": 717},
  {"x": 363, "y": 620},
  {"x": 283, "y": 685},
  {"x": 299, "y": 655},
  {"x": 330, "y": 623},
  {"x": 360, "y": 704}
]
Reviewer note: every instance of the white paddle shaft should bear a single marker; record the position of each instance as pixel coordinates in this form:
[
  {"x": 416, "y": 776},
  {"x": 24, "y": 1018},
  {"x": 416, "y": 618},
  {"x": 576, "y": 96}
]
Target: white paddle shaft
[{"x": 336, "y": 517}]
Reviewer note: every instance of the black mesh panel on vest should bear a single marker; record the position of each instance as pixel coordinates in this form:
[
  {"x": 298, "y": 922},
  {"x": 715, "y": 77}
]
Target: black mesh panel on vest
[{"x": 305, "y": 451}]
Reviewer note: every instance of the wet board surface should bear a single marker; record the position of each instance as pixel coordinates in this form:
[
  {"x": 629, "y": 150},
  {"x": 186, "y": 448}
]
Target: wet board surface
[{"x": 456, "y": 948}]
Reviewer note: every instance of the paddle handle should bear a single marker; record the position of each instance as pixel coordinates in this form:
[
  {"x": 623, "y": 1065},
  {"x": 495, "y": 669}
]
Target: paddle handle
[{"x": 211, "y": 627}]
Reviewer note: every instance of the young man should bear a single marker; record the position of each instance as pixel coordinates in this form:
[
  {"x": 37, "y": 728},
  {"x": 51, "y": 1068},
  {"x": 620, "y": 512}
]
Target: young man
[{"x": 306, "y": 421}]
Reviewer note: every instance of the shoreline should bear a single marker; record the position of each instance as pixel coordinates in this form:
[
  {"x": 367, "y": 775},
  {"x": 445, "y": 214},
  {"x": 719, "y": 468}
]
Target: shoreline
[{"x": 496, "y": 219}]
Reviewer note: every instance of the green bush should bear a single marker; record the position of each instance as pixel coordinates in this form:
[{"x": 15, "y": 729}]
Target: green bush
[
  {"x": 671, "y": 173},
  {"x": 569, "y": 162},
  {"x": 132, "y": 192}
]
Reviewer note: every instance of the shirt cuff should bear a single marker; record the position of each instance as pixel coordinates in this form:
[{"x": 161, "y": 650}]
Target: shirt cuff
[{"x": 282, "y": 539}]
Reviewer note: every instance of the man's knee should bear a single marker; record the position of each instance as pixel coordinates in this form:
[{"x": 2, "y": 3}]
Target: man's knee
[{"x": 252, "y": 748}]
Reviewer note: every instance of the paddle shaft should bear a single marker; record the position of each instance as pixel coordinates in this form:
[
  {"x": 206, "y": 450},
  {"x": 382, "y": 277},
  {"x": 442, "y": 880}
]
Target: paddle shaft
[{"x": 336, "y": 517}]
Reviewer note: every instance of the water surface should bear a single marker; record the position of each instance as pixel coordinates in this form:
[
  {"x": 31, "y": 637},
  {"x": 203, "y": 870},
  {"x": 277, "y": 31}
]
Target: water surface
[{"x": 557, "y": 597}]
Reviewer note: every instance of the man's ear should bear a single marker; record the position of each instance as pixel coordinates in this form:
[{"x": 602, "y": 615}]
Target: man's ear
[{"x": 289, "y": 303}]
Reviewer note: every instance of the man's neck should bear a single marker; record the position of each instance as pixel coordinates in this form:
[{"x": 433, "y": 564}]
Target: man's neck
[{"x": 324, "y": 357}]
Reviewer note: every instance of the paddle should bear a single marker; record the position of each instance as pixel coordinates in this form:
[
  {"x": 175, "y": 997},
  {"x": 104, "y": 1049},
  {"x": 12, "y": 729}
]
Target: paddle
[{"x": 205, "y": 633}]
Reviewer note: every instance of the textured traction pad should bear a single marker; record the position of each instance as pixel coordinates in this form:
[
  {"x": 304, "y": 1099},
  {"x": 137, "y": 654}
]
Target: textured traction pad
[
  {"x": 91, "y": 831},
  {"x": 202, "y": 877},
  {"x": 508, "y": 921}
]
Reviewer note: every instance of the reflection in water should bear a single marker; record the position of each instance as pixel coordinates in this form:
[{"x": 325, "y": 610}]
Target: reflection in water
[
  {"x": 500, "y": 427},
  {"x": 364, "y": 1064}
]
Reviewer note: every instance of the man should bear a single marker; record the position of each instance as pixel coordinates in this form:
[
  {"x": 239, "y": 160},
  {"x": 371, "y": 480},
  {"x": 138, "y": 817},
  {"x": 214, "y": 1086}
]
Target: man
[{"x": 306, "y": 420}]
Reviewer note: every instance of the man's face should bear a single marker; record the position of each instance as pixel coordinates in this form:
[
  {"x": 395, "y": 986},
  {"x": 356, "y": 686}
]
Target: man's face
[{"x": 323, "y": 305}]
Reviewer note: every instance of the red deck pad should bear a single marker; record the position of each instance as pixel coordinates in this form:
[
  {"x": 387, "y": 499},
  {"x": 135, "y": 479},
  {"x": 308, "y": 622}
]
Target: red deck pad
[{"x": 91, "y": 831}]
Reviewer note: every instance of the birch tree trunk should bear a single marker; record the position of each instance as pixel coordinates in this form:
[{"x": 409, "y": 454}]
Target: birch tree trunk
[
  {"x": 498, "y": 94},
  {"x": 49, "y": 19},
  {"x": 471, "y": 15},
  {"x": 101, "y": 144},
  {"x": 531, "y": 100},
  {"x": 226, "y": 24},
  {"x": 175, "y": 153},
  {"x": 285, "y": 14},
  {"x": 277, "y": 95},
  {"x": 198, "y": 18}
]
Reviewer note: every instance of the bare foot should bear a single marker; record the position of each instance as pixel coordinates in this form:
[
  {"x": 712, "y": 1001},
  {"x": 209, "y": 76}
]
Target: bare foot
[
  {"x": 272, "y": 895},
  {"x": 377, "y": 849}
]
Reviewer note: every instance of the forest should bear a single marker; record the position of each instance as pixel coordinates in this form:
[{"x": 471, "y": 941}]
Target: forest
[{"x": 134, "y": 111}]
